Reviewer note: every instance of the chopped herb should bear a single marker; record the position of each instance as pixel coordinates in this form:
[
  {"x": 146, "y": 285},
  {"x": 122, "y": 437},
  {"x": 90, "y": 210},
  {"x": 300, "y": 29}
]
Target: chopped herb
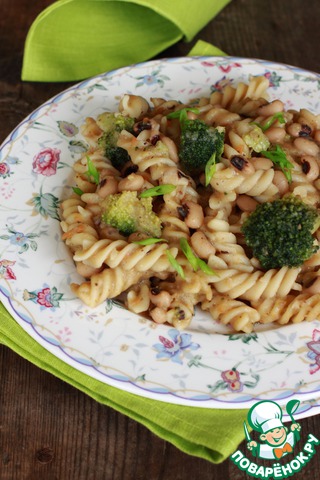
[
  {"x": 149, "y": 241},
  {"x": 182, "y": 114},
  {"x": 278, "y": 157},
  {"x": 159, "y": 190},
  {"x": 277, "y": 116},
  {"x": 77, "y": 190},
  {"x": 92, "y": 172},
  {"x": 210, "y": 168},
  {"x": 175, "y": 264},
  {"x": 190, "y": 256},
  {"x": 205, "y": 267},
  {"x": 195, "y": 261}
]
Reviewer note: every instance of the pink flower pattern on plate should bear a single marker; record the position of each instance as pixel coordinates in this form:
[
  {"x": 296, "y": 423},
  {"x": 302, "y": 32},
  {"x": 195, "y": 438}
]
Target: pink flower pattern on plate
[
  {"x": 6, "y": 271},
  {"x": 232, "y": 379},
  {"x": 45, "y": 162},
  {"x": 44, "y": 297},
  {"x": 4, "y": 169}
]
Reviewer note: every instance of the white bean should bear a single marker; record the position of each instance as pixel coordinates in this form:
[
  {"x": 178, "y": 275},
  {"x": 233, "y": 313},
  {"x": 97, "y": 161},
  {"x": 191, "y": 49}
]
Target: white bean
[
  {"x": 132, "y": 182},
  {"x": 107, "y": 186},
  {"x": 294, "y": 129},
  {"x": 162, "y": 300},
  {"x": 310, "y": 167},
  {"x": 246, "y": 203},
  {"x": 275, "y": 134},
  {"x": 194, "y": 218},
  {"x": 306, "y": 146},
  {"x": 242, "y": 164},
  {"x": 201, "y": 245}
]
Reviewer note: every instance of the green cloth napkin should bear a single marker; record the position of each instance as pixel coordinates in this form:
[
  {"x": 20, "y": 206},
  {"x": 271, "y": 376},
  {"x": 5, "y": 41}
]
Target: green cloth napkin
[
  {"x": 212, "y": 434},
  {"x": 75, "y": 39},
  {"x": 203, "y": 49}
]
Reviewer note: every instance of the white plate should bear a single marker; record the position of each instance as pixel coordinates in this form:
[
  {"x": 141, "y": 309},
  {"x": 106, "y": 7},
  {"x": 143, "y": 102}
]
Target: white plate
[{"x": 196, "y": 367}]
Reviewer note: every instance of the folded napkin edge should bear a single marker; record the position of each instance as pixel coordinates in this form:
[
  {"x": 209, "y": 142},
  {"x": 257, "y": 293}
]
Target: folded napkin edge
[
  {"x": 184, "y": 444},
  {"x": 183, "y": 20}
]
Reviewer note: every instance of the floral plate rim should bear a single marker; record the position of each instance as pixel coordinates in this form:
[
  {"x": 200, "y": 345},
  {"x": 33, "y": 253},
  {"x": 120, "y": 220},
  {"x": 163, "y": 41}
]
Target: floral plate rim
[{"x": 170, "y": 337}]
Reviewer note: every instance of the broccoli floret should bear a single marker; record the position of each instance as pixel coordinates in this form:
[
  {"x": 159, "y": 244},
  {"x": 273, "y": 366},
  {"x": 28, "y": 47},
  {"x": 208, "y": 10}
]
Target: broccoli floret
[
  {"x": 198, "y": 143},
  {"x": 128, "y": 213},
  {"x": 280, "y": 232},
  {"x": 112, "y": 124},
  {"x": 109, "y": 122}
]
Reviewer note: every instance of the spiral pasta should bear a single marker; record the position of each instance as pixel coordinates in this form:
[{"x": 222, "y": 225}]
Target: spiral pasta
[
  {"x": 258, "y": 284},
  {"x": 225, "y": 242},
  {"x": 148, "y": 157},
  {"x": 231, "y": 97},
  {"x": 106, "y": 284},
  {"x": 295, "y": 309},
  {"x": 129, "y": 255},
  {"x": 198, "y": 256},
  {"x": 259, "y": 184},
  {"x": 77, "y": 224},
  {"x": 174, "y": 303},
  {"x": 232, "y": 312}
]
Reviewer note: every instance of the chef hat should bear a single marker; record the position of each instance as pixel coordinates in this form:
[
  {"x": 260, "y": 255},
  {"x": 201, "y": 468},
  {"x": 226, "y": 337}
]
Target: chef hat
[{"x": 265, "y": 416}]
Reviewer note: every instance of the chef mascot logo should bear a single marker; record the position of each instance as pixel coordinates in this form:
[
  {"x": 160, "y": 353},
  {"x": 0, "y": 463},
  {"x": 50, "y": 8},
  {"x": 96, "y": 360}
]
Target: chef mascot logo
[
  {"x": 275, "y": 443},
  {"x": 276, "y": 439}
]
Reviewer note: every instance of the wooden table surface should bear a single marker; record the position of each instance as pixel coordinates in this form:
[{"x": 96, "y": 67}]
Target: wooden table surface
[{"x": 48, "y": 429}]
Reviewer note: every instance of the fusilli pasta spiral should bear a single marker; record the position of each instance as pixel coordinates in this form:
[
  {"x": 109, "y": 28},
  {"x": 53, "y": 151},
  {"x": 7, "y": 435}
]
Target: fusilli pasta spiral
[{"x": 199, "y": 256}]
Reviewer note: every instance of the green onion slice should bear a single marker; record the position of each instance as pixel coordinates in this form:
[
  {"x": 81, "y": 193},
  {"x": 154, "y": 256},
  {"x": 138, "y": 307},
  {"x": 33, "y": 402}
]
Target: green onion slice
[
  {"x": 175, "y": 264},
  {"x": 195, "y": 261},
  {"x": 277, "y": 116},
  {"x": 159, "y": 190},
  {"x": 190, "y": 256},
  {"x": 182, "y": 114},
  {"x": 149, "y": 241},
  {"x": 278, "y": 157},
  {"x": 92, "y": 172},
  {"x": 78, "y": 191},
  {"x": 210, "y": 168},
  {"x": 205, "y": 267}
]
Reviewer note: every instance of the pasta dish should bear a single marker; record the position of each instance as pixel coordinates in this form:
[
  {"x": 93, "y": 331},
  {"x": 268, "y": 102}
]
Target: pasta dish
[{"x": 210, "y": 204}]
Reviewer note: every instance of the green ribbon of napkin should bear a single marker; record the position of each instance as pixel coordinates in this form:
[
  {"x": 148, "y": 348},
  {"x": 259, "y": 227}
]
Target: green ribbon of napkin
[
  {"x": 212, "y": 434},
  {"x": 75, "y": 39}
]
